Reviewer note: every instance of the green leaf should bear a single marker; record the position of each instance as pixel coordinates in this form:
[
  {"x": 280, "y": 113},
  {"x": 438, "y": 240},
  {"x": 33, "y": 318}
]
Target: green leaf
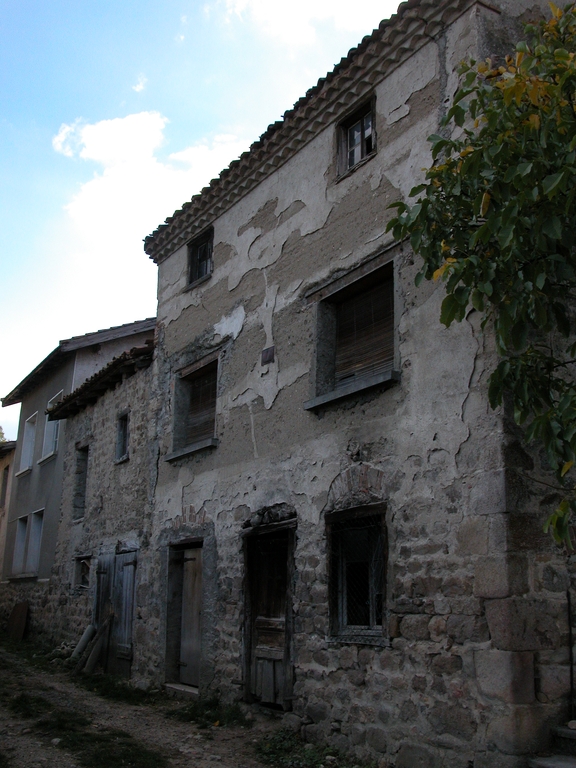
[
  {"x": 450, "y": 308},
  {"x": 550, "y": 183},
  {"x": 553, "y": 228},
  {"x": 519, "y": 334}
]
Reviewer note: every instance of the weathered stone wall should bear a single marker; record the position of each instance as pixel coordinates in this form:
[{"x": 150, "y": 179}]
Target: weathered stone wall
[{"x": 117, "y": 513}]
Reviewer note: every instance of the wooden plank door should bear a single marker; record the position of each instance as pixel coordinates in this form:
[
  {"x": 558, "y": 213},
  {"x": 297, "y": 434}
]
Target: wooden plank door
[
  {"x": 191, "y": 628},
  {"x": 270, "y": 662},
  {"x": 119, "y": 658}
]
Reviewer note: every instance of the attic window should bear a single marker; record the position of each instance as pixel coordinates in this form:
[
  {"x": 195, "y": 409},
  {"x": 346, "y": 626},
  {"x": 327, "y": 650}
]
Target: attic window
[
  {"x": 357, "y": 137},
  {"x": 200, "y": 258}
]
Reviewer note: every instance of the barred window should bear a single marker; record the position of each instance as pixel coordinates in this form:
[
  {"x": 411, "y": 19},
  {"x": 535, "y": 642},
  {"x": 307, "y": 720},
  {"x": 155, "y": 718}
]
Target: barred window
[{"x": 358, "y": 574}]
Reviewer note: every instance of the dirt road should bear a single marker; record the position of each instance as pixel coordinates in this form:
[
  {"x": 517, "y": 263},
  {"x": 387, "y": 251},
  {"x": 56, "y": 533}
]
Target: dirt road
[{"x": 46, "y": 720}]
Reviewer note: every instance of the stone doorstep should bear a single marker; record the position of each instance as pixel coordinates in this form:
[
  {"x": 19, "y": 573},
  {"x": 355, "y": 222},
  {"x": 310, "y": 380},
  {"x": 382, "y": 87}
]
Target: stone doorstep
[
  {"x": 554, "y": 761},
  {"x": 180, "y": 691}
]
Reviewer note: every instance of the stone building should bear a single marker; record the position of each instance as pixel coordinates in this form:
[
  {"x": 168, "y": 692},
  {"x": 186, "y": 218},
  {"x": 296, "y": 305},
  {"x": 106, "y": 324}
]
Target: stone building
[
  {"x": 35, "y": 498},
  {"x": 106, "y": 508},
  {"x": 323, "y": 514},
  {"x": 329, "y": 467}
]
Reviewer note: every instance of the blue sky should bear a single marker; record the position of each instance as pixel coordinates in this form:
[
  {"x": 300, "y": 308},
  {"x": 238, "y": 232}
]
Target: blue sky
[{"x": 112, "y": 114}]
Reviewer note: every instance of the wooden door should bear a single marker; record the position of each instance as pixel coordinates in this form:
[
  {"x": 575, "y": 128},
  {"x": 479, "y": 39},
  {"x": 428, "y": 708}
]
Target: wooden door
[
  {"x": 115, "y": 592},
  {"x": 270, "y": 662},
  {"x": 191, "y": 628}
]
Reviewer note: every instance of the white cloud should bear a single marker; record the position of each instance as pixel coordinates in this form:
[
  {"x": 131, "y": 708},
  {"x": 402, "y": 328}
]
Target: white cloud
[
  {"x": 93, "y": 272},
  {"x": 140, "y": 85},
  {"x": 295, "y": 23}
]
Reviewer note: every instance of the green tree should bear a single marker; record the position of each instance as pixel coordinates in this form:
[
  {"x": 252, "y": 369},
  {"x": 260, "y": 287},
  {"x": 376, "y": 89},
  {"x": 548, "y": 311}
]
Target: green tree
[
  {"x": 496, "y": 221},
  {"x": 2, "y": 436}
]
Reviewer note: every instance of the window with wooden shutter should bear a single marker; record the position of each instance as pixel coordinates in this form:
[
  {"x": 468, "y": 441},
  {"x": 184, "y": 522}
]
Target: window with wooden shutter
[
  {"x": 355, "y": 343},
  {"x": 365, "y": 333},
  {"x": 195, "y": 408},
  {"x": 202, "y": 404}
]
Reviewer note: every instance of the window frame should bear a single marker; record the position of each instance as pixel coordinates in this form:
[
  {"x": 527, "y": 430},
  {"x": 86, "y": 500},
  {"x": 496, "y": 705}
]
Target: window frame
[
  {"x": 186, "y": 378},
  {"x": 5, "y": 483},
  {"x": 379, "y": 272},
  {"x": 51, "y": 430},
  {"x": 28, "y": 444},
  {"x": 122, "y": 451},
  {"x": 368, "y": 148},
  {"x": 80, "y": 486},
  {"x": 79, "y": 560},
  {"x": 28, "y": 544},
  {"x": 338, "y": 527},
  {"x": 193, "y": 262}
]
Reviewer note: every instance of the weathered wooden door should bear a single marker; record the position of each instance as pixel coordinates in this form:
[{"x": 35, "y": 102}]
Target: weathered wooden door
[
  {"x": 269, "y": 631},
  {"x": 115, "y": 592},
  {"x": 191, "y": 628}
]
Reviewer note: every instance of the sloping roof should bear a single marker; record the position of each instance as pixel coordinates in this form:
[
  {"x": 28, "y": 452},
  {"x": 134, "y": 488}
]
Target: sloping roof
[
  {"x": 7, "y": 447},
  {"x": 106, "y": 378},
  {"x": 352, "y": 79},
  {"x": 64, "y": 350}
]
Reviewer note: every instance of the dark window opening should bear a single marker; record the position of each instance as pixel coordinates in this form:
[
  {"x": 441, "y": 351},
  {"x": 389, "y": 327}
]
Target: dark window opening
[
  {"x": 5, "y": 473},
  {"x": 200, "y": 257},
  {"x": 122, "y": 437},
  {"x": 82, "y": 574},
  {"x": 80, "y": 483},
  {"x": 358, "y": 575},
  {"x": 357, "y": 137}
]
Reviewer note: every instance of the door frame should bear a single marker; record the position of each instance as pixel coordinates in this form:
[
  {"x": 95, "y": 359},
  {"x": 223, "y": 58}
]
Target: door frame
[
  {"x": 290, "y": 527},
  {"x": 174, "y": 606}
]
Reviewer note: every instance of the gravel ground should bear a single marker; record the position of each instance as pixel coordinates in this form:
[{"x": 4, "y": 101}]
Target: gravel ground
[{"x": 29, "y": 742}]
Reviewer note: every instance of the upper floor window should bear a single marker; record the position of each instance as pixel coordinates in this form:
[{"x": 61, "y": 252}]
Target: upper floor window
[
  {"x": 4, "y": 491},
  {"x": 195, "y": 407},
  {"x": 28, "y": 442},
  {"x": 27, "y": 545},
  {"x": 355, "y": 342},
  {"x": 51, "y": 430},
  {"x": 200, "y": 257},
  {"x": 357, "y": 137},
  {"x": 122, "y": 436}
]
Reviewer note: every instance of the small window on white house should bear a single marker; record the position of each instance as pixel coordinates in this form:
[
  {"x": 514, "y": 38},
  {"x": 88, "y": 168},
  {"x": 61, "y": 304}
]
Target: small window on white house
[
  {"x": 51, "y": 430},
  {"x": 27, "y": 544},
  {"x": 35, "y": 524},
  {"x": 122, "y": 437},
  {"x": 28, "y": 441},
  {"x": 20, "y": 545},
  {"x": 4, "y": 492}
]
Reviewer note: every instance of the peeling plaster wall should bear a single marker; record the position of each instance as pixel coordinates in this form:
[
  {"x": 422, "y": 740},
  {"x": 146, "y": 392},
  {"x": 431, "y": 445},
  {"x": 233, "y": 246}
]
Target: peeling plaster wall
[{"x": 457, "y": 684}]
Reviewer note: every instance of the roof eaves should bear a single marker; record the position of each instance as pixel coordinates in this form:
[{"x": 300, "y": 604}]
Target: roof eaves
[
  {"x": 106, "y": 378},
  {"x": 395, "y": 40},
  {"x": 29, "y": 382}
]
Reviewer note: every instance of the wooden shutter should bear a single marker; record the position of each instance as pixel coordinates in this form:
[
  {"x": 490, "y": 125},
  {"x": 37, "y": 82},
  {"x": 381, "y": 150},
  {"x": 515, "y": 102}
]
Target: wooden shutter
[
  {"x": 365, "y": 333},
  {"x": 202, "y": 409}
]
